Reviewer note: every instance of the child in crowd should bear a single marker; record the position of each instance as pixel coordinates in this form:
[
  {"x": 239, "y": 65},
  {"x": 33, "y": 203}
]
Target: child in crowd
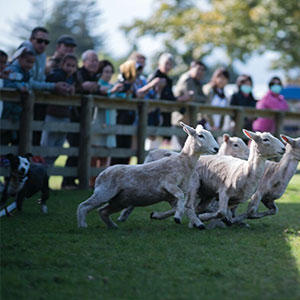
[
  {"x": 18, "y": 78},
  {"x": 59, "y": 113},
  {"x": 103, "y": 117},
  {"x": 214, "y": 90}
]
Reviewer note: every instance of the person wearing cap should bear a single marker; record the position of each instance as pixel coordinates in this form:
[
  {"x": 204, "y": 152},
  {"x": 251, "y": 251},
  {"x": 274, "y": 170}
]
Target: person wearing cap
[
  {"x": 65, "y": 45},
  {"x": 37, "y": 43}
]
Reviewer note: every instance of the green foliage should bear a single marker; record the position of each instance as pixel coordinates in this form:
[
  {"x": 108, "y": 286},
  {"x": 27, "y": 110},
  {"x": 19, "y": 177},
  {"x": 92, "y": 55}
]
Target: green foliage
[
  {"x": 76, "y": 18},
  {"x": 241, "y": 28},
  {"x": 73, "y": 17},
  {"x": 48, "y": 257}
]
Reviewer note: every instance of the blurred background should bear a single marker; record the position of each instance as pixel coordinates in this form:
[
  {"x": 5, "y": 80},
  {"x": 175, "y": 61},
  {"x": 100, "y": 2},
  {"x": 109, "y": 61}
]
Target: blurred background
[{"x": 260, "y": 38}]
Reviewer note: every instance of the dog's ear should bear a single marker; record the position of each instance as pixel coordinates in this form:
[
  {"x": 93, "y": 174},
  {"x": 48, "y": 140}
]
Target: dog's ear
[
  {"x": 9, "y": 156},
  {"x": 28, "y": 155}
]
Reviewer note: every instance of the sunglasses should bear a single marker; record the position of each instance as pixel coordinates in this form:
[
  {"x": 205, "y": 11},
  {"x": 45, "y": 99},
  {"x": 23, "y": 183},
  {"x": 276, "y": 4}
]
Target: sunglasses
[{"x": 40, "y": 41}]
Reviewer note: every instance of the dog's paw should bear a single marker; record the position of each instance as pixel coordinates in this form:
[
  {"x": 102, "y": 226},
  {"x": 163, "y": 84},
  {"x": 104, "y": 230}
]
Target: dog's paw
[{"x": 44, "y": 209}]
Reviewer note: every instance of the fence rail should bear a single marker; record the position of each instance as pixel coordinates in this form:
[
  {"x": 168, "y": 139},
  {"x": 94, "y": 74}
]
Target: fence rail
[{"x": 26, "y": 125}]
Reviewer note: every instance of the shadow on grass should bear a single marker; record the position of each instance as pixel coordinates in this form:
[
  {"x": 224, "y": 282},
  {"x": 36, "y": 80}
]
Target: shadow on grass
[{"x": 46, "y": 256}]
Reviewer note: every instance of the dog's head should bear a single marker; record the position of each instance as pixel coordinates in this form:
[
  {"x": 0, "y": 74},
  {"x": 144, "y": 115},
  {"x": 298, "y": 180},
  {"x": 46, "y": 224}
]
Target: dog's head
[{"x": 19, "y": 165}]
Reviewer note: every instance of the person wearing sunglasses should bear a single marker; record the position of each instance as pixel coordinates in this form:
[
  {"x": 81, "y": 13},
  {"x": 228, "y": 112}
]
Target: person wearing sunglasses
[{"x": 37, "y": 43}]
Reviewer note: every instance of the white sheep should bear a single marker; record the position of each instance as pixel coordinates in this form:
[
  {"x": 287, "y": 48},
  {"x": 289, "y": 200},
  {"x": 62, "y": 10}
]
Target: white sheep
[
  {"x": 232, "y": 146},
  {"x": 234, "y": 180},
  {"x": 122, "y": 186},
  {"x": 275, "y": 180}
]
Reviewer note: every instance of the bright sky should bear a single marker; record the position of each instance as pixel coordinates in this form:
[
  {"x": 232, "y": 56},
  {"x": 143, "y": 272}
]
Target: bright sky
[{"x": 119, "y": 12}]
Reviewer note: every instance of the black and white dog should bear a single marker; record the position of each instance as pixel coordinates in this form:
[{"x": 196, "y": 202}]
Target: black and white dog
[{"x": 25, "y": 180}]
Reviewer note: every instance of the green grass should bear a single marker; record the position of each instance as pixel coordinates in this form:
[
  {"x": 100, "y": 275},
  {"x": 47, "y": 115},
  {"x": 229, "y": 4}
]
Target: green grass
[{"x": 48, "y": 257}]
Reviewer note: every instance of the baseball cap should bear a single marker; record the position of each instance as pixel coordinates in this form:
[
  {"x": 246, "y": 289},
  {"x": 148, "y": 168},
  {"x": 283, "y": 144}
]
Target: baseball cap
[{"x": 66, "y": 39}]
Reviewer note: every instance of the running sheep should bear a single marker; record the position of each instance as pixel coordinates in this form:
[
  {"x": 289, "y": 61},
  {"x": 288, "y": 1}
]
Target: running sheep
[{"x": 123, "y": 186}]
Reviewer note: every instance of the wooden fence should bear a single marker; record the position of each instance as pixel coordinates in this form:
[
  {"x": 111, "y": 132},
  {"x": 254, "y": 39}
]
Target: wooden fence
[{"x": 27, "y": 125}]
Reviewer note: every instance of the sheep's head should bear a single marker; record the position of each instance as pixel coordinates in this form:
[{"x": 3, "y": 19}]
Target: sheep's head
[
  {"x": 201, "y": 139},
  {"x": 269, "y": 147},
  {"x": 234, "y": 146},
  {"x": 292, "y": 145}
]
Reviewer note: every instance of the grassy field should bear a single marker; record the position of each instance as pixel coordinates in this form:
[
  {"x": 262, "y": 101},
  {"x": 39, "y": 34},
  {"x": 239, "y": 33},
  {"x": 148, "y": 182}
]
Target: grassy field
[{"x": 48, "y": 257}]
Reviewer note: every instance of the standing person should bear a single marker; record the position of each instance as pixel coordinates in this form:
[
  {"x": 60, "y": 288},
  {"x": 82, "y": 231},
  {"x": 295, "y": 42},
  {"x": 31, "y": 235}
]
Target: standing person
[
  {"x": 104, "y": 117},
  {"x": 244, "y": 97},
  {"x": 86, "y": 83},
  {"x": 59, "y": 113},
  {"x": 165, "y": 65},
  {"x": 216, "y": 96},
  {"x": 190, "y": 86},
  {"x": 65, "y": 45},
  {"x": 127, "y": 77},
  {"x": 19, "y": 78},
  {"x": 38, "y": 42},
  {"x": 272, "y": 100}
]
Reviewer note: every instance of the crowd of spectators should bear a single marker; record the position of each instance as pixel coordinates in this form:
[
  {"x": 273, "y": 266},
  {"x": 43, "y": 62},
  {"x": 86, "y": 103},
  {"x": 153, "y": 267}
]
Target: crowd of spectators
[{"x": 30, "y": 69}]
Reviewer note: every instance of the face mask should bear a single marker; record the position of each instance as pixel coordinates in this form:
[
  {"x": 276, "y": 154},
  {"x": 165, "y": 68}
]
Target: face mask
[
  {"x": 246, "y": 88},
  {"x": 276, "y": 88}
]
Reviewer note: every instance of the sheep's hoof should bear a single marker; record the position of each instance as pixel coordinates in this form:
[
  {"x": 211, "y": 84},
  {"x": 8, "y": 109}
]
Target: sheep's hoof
[
  {"x": 227, "y": 221},
  {"x": 200, "y": 227},
  {"x": 177, "y": 220},
  {"x": 243, "y": 224}
]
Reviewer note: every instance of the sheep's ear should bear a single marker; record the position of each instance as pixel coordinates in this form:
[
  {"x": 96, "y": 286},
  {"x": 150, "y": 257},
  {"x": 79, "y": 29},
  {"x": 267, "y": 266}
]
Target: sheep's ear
[
  {"x": 199, "y": 127},
  {"x": 189, "y": 130},
  {"x": 249, "y": 134},
  {"x": 286, "y": 139},
  {"x": 226, "y": 137}
]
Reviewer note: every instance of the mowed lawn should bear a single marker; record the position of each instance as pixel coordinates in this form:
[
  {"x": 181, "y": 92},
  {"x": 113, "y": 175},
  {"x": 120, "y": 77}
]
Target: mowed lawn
[{"x": 48, "y": 257}]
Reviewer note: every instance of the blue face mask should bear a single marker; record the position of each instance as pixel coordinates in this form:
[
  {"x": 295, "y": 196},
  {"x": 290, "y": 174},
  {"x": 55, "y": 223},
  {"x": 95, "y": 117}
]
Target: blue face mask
[
  {"x": 276, "y": 88},
  {"x": 246, "y": 89}
]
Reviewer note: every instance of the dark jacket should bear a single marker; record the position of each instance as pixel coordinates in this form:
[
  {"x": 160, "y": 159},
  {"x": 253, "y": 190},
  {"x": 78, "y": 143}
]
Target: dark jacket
[
  {"x": 239, "y": 99},
  {"x": 59, "y": 111},
  {"x": 166, "y": 93}
]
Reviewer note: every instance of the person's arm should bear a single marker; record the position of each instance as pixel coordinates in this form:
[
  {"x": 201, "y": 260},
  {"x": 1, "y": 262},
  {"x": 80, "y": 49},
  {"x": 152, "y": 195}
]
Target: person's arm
[{"x": 42, "y": 85}]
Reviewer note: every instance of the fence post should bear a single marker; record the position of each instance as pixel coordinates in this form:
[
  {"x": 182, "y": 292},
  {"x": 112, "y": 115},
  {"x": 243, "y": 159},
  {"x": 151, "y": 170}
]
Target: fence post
[
  {"x": 141, "y": 131},
  {"x": 193, "y": 115},
  {"x": 278, "y": 118},
  {"x": 84, "y": 159},
  {"x": 239, "y": 121},
  {"x": 25, "y": 129}
]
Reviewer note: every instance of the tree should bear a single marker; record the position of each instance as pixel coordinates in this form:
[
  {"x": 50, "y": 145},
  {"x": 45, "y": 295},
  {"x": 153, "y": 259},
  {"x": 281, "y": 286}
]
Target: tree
[
  {"x": 76, "y": 18},
  {"x": 240, "y": 28},
  {"x": 73, "y": 17}
]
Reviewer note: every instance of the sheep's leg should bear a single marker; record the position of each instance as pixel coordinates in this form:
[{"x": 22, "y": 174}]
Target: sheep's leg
[
  {"x": 222, "y": 211},
  {"x": 190, "y": 209},
  {"x": 105, "y": 213},
  {"x": 254, "y": 203},
  {"x": 179, "y": 196},
  {"x": 165, "y": 214},
  {"x": 125, "y": 213},
  {"x": 273, "y": 209},
  {"x": 162, "y": 215},
  {"x": 97, "y": 199}
]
